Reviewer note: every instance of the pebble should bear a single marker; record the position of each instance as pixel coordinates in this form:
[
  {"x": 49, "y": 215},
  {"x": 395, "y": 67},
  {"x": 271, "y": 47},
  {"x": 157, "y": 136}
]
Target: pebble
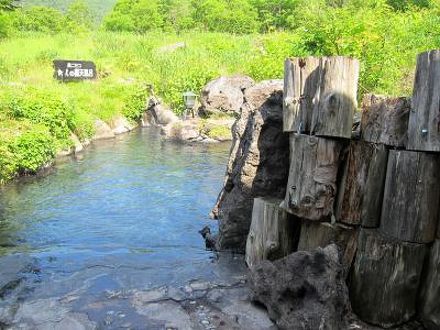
[
  {"x": 192, "y": 302},
  {"x": 205, "y": 322}
]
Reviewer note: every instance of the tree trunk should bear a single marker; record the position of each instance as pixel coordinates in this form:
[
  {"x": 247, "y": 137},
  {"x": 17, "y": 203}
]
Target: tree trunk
[
  {"x": 336, "y": 97},
  {"x": 385, "y": 279},
  {"x": 410, "y": 209},
  {"x": 301, "y": 77},
  {"x": 424, "y": 119},
  {"x": 385, "y": 120},
  {"x": 429, "y": 301},
  {"x": 314, "y": 235},
  {"x": 362, "y": 182},
  {"x": 273, "y": 233},
  {"x": 311, "y": 187}
]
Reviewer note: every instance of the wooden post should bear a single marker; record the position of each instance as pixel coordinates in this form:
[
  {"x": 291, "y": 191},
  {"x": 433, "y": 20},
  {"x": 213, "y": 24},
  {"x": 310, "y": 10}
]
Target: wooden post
[
  {"x": 424, "y": 119},
  {"x": 301, "y": 77},
  {"x": 314, "y": 235},
  {"x": 411, "y": 199},
  {"x": 362, "y": 181},
  {"x": 429, "y": 300},
  {"x": 273, "y": 233},
  {"x": 385, "y": 279},
  {"x": 311, "y": 188},
  {"x": 336, "y": 97},
  {"x": 385, "y": 120}
]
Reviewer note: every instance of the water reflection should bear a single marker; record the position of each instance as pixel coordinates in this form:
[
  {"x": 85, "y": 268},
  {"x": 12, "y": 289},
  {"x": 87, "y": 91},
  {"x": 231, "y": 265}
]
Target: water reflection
[{"x": 128, "y": 210}]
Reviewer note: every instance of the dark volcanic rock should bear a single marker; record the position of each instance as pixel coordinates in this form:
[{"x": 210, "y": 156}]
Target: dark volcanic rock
[
  {"x": 258, "y": 163},
  {"x": 210, "y": 239},
  {"x": 304, "y": 291}
]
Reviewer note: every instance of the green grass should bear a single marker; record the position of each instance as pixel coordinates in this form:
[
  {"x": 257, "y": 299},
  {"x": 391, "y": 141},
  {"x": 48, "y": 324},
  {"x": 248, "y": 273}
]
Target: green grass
[{"x": 34, "y": 105}]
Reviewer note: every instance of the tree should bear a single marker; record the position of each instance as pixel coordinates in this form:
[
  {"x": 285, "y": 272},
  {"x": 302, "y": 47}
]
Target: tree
[
  {"x": 233, "y": 16},
  {"x": 178, "y": 14},
  {"x": 6, "y": 5},
  {"x": 79, "y": 16},
  {"x": 134, "y": 16},
  {"x": 39, "y": 19},
  {"x": 273, "y": 14}
]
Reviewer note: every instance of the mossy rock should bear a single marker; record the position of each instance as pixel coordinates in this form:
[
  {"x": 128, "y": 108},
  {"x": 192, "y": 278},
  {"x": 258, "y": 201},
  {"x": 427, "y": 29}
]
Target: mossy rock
[{"x": 220, "y": 133}]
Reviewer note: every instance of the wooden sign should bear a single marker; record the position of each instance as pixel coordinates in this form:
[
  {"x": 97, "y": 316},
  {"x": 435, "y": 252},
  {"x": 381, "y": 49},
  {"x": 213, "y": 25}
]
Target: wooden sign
[{"x": 74, "y": 70}]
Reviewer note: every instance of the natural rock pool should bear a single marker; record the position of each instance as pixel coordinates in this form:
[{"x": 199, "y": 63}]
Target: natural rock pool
[{"x": 110, "y": 240}]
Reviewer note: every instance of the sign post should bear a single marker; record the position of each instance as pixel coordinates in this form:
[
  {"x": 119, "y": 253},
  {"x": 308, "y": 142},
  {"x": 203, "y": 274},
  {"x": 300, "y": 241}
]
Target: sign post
[{"x": 74, "y": 70}]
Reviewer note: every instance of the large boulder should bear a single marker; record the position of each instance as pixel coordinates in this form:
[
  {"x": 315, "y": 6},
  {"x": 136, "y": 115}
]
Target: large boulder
[
  {"x": 102, "y": 131},
  {"x": 183, "y": 131},
  {"x": 304, "y": 291},
  {"x": 225, "y": 94},
  {"x": 258, "y": 163},
  {"x": 121, "y": 125}
]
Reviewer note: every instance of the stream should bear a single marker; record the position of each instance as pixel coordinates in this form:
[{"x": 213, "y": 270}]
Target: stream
[{"x": 110, "y": 240}]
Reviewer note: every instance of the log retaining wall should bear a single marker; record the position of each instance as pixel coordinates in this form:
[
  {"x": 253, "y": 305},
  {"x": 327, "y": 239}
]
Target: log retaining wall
[{"x": 376, "y": 194}]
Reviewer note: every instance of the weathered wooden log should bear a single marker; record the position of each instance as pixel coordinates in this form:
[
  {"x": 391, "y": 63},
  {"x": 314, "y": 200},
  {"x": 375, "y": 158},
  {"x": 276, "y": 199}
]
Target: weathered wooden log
[
  {"x": 314, "y": 235},
  {"x": 311, "y": 188},
  {"x": 385, "y": 120},
  {"x": 273, "y": 233},
  {"x": 430, "y": 293},
  {"x": 361, "y": 187},
  {"x": 336, "y": 97},
  {"x": 301, "y": 77},
  {"x": 385, "y": 278},
  {"x": 424, "y": 119},
  {"x": 410, "y": 209}
]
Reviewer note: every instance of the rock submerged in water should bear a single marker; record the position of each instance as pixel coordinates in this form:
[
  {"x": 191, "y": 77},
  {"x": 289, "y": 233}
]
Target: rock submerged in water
[
  {"x": 191, "y": 130},
  {"x": 210, "y": 240},
  {"x": 304, "y": 291},
  {"x": 121, "y": 125},
  {"x": 102, "y": 131}
]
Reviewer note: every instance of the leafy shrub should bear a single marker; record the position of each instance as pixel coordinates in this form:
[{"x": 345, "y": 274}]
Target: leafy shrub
[
  {"x": 24, "y": 148},
  {"x": 135, "y": 103},
  {"x": 32, "y": 149},
  {"x": 41, "y": 107}
]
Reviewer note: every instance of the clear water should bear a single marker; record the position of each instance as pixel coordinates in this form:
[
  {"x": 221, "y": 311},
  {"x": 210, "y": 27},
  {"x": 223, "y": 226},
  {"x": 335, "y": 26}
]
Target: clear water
[{"x": 124, "y": 215}]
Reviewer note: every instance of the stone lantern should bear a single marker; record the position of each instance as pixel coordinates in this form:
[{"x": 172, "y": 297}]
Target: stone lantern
[{"x": 190, "y": 102}]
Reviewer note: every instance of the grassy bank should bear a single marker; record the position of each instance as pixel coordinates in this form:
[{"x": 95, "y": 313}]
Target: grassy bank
[{"x": 37, "y": 114}]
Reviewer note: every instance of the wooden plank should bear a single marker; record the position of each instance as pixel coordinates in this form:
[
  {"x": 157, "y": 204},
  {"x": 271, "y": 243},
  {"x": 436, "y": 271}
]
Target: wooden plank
[
  {"x": 301, "y": 76},
  {"x": 273, "y": 233},
  {"x": 430, "y": 293},
  {"x": 385, "y": 279},
  {"x": 336, "y": 97},
  {"x": 314, "y": 235},
  {"x": 374, "y": 188},
  {"x": 311, "y": 188},
  {"x": 424, "y": 119},
  {"x": 385, "y": 120},
  {"x": 410, "y": 209},
  {"x": 361, "y": 186}
]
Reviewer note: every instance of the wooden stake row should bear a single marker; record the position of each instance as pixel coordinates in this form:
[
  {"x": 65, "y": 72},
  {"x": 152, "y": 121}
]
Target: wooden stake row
[
  {"x": 320, "y": 95},
  {"x": 377, "y": 201}
]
